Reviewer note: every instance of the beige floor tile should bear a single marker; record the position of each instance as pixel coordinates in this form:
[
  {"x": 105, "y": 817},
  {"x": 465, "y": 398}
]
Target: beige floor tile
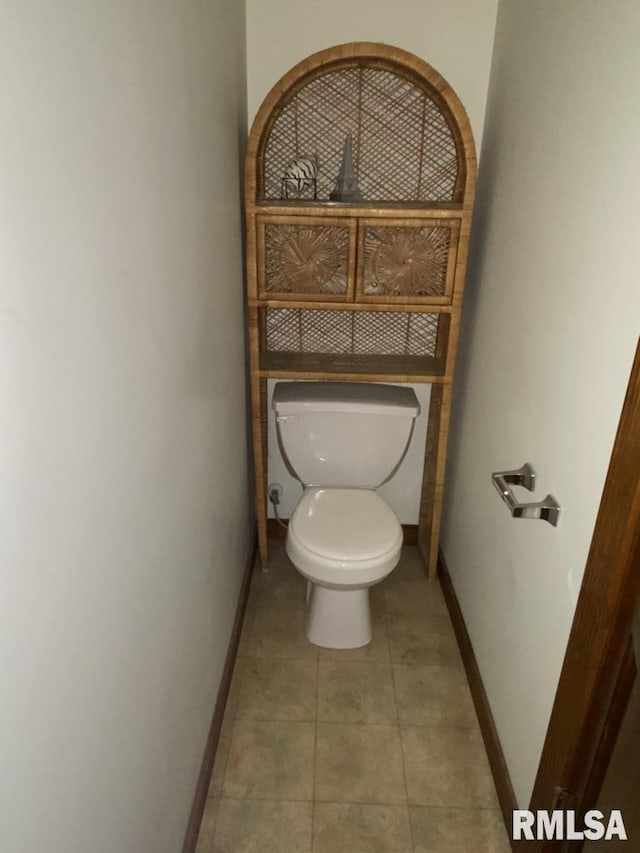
[
  {"x": 433, "y": 696},
  {"x": 422, "y": 596},
  {"x": 274, "y": 689},
  {"x": 278, "y": 557},
  {"x": 376, "y": 652},
  {"x": 270, "y": 760},
  {"x": 422, "y": 639},
  {"x": 227, "y": 723},
  {"x": 280, "y": 634},
  {"x": 456, "y": 830},
  {"x": 447, "y": 767},
  {"x": 377, "y": 600},
  {"x": 411, "y": 568},
  {"x": 207, "y": 826},
  {"x": 251, "y": 826},
  {"x": 245, "y": 636},
  {"x": 234, "y": 688},
  {"x": 359, "y": 764},
  {"x": 224, "y": 741},
  {"x": 358, "y": 828},
  {"x": 282, "y": 587},
  {"x": 351, "y": 692},
  {"x": 220, "y": 763}
]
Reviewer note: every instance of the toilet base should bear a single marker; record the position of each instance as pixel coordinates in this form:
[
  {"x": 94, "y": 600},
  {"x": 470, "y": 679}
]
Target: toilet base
[{"x": 338, "y": 618}]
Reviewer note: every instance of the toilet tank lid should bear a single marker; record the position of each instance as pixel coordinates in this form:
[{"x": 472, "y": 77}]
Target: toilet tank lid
[{"x": 358, "y": 397}]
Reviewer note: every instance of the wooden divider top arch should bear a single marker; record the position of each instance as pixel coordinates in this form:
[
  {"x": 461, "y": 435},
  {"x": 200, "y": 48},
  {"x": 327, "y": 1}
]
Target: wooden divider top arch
[{"x": 373, "y": 81}]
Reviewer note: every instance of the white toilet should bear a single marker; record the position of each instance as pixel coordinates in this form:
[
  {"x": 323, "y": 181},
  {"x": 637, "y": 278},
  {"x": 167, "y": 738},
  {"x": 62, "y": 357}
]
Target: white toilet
[{"x": 342, "y": 440}]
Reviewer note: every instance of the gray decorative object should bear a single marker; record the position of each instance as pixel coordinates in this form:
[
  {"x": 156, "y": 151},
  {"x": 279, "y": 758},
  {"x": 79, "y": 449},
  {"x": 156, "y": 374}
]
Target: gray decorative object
[{"x": 346, "y": 188}]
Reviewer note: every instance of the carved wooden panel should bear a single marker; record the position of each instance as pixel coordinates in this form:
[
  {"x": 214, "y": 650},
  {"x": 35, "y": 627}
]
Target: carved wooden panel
[
  {"x": 305, "y": 258},
  {"x": 407, "y": 262}
]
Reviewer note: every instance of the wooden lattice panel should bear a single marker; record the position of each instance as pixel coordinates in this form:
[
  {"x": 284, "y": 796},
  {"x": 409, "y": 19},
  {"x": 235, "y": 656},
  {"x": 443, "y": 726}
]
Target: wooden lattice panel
[
  {"x": 306, "y": 257},
  {"x": 350, "y": 332},
  {"x": 403, "y": 145},
  {"x": 407, "y": 262}
]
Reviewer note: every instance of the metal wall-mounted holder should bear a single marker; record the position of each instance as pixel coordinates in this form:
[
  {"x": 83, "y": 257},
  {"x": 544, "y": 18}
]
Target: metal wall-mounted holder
[{"x": 547, "y": 509}]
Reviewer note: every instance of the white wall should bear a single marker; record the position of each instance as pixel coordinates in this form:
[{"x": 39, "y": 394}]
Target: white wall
[
  {"x": 455, "y": 37},
  {"x": 551, "y": 321},
  {"x": 123, "y": 519}
]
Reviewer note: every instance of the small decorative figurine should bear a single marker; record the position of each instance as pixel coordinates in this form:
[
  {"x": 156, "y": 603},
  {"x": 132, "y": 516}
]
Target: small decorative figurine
[
  {"x": 346, "y": 188},
  {"x": 300, "y": 175}
]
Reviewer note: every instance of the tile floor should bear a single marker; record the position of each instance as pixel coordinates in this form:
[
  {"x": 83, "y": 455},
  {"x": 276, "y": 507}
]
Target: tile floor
[{"x": 373, "y": 750}]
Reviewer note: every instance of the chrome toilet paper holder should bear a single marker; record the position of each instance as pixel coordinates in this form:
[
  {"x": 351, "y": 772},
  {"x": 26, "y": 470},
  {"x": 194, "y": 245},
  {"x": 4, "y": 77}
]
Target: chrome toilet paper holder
[{"x": 547, "y": 509}]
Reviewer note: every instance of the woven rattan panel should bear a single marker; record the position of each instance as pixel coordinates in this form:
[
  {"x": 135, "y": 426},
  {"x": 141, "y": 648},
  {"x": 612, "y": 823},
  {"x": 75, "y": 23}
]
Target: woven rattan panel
[
  {"x": 304, "y": 259},
  {"x": 350, "y": 332},
  {"x": 406, "y": 261},
  {"x": 403, "y": 148}
]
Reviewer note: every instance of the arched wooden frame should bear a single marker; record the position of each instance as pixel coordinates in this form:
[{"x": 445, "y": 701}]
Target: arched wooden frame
[
  {"x": 370, "y": 55},
  {"x": 443, "y": 308}
]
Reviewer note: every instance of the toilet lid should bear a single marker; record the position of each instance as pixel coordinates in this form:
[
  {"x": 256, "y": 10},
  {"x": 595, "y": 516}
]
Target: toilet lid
[{"x": 345, "y": 524}]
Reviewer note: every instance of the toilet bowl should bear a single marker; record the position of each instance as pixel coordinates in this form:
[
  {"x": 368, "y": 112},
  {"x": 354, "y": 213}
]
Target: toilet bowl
[
  {"x": 342, "y": 440},
  {"x": 342, "y": 541}
]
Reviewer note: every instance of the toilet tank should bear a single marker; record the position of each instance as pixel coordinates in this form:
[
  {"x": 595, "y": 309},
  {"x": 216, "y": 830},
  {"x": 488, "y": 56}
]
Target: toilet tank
[{"x": 343, "y": 433}]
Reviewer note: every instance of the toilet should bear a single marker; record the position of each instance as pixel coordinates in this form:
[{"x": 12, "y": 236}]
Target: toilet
[{"x": 342, "y": 440}]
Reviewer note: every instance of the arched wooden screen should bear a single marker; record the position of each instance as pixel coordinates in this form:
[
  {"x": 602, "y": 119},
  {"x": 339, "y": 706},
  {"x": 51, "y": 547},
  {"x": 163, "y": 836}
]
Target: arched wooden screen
[{"x": 406, "y": 142}]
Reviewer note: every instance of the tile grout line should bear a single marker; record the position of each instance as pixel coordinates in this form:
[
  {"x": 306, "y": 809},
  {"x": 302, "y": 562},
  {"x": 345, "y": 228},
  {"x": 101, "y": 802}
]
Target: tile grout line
[
  {"x": 395, "y": 700},
  {"x": 356, "y": 723},
  {"x": 220, "y": 794},
  {"x": 240, "y": 664},
  {"x": 364, "y": 803},
  {"x": 315, "y": 750}
]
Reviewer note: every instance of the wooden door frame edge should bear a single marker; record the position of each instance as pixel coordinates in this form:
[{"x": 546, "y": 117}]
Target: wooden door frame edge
[{"x": 599, "y": 635}]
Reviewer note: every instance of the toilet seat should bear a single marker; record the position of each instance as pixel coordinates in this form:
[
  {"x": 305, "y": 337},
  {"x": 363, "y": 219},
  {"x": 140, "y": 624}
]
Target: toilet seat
[{"x": 344, "y": 537}]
